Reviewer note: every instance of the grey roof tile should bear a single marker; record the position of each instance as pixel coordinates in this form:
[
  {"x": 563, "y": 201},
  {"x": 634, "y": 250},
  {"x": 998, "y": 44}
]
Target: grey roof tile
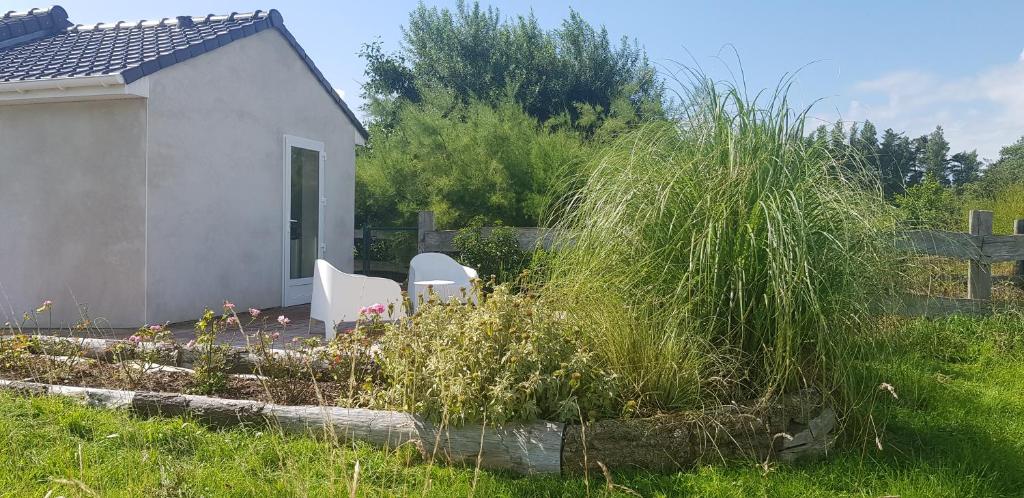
[{"x": 41, "y": 44}]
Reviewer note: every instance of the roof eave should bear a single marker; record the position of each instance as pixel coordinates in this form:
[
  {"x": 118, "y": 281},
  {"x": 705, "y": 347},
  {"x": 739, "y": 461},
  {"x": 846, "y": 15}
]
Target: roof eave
[
  {"x": 278, "y": 23},
  {"x": 22, "y": 86},
  {"x": 80, "y": 88}
]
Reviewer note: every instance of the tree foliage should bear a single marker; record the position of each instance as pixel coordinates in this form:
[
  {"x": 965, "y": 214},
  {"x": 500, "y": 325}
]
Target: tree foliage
[
  {"x": 464, "y": 162},
  {"x": 477, "y": 55},
  {"x": 934, "y": 159}
]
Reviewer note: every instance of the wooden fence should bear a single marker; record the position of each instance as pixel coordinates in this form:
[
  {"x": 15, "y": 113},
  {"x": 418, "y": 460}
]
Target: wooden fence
[{"x": 978, "y": 246}]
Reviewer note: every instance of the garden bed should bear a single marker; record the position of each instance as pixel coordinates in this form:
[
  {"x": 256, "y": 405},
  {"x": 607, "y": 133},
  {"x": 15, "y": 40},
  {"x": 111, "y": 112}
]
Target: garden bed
[
  {"x": 795, "y": 427},
  {"x": 162, "y": 379}
]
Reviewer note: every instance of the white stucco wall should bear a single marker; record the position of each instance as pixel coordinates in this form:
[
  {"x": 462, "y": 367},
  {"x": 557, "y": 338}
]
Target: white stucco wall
[
  {"x": 216, "y": 128},
  {"x": 72, "y": 210}
]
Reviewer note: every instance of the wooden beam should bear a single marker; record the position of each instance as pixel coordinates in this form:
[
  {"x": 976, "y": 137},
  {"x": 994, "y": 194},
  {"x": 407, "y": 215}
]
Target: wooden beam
[
  {"x": 983, "y": 248},
  {"x": 524, "y": 448},
  {"x": 979, "y": 273},
  {"x": 1017, "y": 277},
  {"x": 996, "y": 248},
  {"x": 938, "y": 306},
  {"x": 424, "y": 225},
  {"x": 940, "y": 243}
]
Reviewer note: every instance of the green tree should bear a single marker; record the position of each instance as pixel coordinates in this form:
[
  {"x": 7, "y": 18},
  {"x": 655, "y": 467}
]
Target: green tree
[
  {"x": 896, "y": 160},
  {"x": 819, "y": 137},
  {"x": 1007, "y": 170},
  {"x": 475, "y": 54},
  {"x": 466, "y": 162},
  {"x": 865, "y": 145},
  {"x": 918, "y": 168},
  {"x": 964, "y": 168},
  {"x": 935, "y": 157},
  {"x": 837, "y": 139}
]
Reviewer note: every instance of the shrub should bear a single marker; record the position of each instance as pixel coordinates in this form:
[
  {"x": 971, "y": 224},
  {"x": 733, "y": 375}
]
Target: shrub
[
  {"x": 721, "y": 255},
  {"x": 494, "y": 253},
  {"x": 508, "y": 358},
  {"x": 930, "y": 205}
]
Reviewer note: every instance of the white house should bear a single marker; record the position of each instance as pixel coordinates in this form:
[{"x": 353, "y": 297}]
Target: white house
[{"x": 150, "y": 169}]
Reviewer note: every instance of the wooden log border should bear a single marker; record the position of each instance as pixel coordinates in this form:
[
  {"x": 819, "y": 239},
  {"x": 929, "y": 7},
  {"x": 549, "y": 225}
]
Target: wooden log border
[
  {"x": 786, "y": 431},
  {"x": 239, "y": 360}
]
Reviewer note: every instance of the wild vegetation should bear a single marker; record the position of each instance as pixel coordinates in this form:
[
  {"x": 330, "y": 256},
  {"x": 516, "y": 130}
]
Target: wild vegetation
[
  {"x": 954, "y": 430},
  {"x": 722, "y": 257},
  {"x": 720, "y": 253}
]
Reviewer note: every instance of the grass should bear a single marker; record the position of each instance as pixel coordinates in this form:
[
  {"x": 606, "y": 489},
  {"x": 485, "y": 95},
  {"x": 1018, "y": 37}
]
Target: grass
[
  {"x": 957, "y": 429},
  {"x": 721, "y": 255}
]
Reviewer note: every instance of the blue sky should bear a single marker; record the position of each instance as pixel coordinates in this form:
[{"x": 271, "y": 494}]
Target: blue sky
[{"x": 904, "y": 64}]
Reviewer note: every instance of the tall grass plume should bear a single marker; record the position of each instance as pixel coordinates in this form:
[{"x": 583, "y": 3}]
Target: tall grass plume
[{"x": 722, "y": 255}]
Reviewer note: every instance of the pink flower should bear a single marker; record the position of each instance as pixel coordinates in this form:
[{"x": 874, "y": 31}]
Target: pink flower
[
  {"x": 45, "y": 306},
  {"x": 233, "y": 320},
  {"x": 283, "y": 320},
  {"x": 377, "y": 309},
  {"x": 228, "y": 305},
  {"x": 156, "y": 328},
  {"x": 134, "y": 338},
  {"x": 191, "y": 344},
  {"x": 253, "y": 312},
  {"x": 275, "y": 335},
  {"x": 364, "y": 310}
]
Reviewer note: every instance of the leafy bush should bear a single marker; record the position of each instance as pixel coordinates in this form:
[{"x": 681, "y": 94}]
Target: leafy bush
[
  {"x": 931, "y": 205},
  {"x": 464, "y": 161},
  {"x": 494, "y": 253},
  {"x": 721, "y": 255},
  {"x": 509, "y": 358}
]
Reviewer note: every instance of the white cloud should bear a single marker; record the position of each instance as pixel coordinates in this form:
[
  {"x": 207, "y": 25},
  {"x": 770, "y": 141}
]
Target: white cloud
[
  {"x": 1021, "y": 57},
  {"x": 983, "y": 110},
  {"x": 341, "y": 93}
]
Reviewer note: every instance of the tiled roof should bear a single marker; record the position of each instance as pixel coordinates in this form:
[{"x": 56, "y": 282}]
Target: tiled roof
[
  {"x": 41, "y": 44},
  {"x": 20, "y": 27}
]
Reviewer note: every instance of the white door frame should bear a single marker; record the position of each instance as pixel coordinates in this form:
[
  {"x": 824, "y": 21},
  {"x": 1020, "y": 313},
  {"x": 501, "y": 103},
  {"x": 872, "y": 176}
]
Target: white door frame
[{"x": 299, "y": 291}]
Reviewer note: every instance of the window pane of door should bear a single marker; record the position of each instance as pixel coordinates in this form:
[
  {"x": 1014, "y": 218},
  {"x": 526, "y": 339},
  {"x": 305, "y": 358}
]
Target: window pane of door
[{"x": 305, "y": 212}]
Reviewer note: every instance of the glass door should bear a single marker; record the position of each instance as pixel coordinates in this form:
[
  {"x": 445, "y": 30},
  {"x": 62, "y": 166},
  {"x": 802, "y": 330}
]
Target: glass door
[{"x": 303, "y": 212}]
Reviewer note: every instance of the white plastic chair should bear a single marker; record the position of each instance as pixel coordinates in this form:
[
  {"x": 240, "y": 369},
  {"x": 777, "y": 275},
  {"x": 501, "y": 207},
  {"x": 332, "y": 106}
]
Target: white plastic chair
[
  {"x": 338, "y": 296},
  {"x": 436, "y": 267}
]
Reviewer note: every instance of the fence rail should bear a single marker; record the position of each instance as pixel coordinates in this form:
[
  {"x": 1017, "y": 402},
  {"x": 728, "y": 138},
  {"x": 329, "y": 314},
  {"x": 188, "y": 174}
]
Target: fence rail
[
  {"x": 979, "y": 246},
  {"x": 983, "y": 248}
]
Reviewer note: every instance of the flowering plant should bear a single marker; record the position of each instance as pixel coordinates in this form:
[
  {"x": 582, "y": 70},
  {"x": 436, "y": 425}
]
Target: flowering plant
[
  {"x": 142, "y": 351},
  {"x": 210, "y": 362}
]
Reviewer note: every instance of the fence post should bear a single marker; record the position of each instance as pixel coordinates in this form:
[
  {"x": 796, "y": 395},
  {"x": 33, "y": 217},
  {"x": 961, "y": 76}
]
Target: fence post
[
  {"x": 367, "y": 244},
  {"x": 424, "y": 224},
  {"x": 979, "y": 275},
  {"x": 1018, "y": 266}
]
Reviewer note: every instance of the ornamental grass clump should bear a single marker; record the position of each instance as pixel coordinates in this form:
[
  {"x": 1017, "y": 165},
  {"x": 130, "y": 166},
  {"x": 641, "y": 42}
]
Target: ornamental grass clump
[{"x": 722, "y": 256}]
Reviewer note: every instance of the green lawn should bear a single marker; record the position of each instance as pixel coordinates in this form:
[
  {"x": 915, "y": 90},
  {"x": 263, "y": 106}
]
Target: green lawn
[{"x": 956, "y": 430}]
